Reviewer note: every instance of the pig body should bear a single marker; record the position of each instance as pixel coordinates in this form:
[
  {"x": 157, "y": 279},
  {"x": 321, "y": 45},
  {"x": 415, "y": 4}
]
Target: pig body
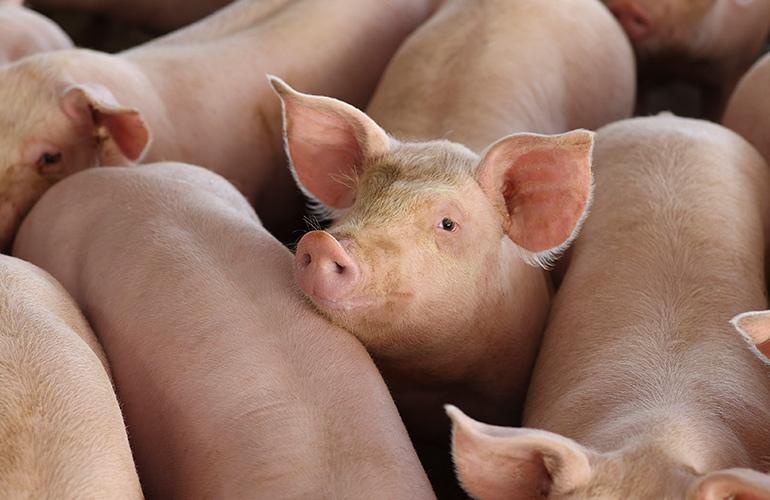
[
  {"x": 194, "y": 101},
  {"x": 748, "y": 111},
  {"x": 707, "y": 42},
  {"x": 403, "y": 326},
  {"x": 640, "y": 389},
  {"x": 440, "y": 84},
  {"x": 63, "y": 433},
  {"x": 431, "y": 262},
  {"x": 24, "y": 32},
  {"x": 231, "y": 384}
]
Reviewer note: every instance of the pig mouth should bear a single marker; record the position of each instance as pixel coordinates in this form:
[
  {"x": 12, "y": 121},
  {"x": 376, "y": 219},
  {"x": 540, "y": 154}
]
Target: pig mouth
[{"x": 343, "y": 304}]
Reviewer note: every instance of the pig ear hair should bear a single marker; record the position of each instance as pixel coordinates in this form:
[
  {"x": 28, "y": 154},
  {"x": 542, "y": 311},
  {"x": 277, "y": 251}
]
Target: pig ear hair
[
  {"x": 93, "y": 105},
  {"x": 755, "y": 328},
  {"x": 495, "y": 462},
  {"x": 544, "y": 185},
  {"x": 733, "y": 484},
  {"x": 328, "y": 143}
]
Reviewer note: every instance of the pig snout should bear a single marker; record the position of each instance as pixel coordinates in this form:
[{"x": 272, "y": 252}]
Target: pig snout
[
  {"x": 635, "y": 21},
  {"x": 325, "y": 270}
]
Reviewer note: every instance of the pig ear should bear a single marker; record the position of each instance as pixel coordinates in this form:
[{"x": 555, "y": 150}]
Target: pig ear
[
  {"x": 755, "y": 327},
  {"x": 12, "y": 2},
  {"x": 328, "y": 143},
  {"x": 543, "y": 184},
  {"x": 733, "y": 484},
  {"x": 506, "y": 462},
  {"x": 126, "y": 136}
]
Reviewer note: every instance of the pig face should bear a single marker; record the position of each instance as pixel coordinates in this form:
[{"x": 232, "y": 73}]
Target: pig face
[
  {"x": 664, "y": 27},
  {"x": 428, "y": 237},
  {"x": 52, "y": 128},
  {"x": 518, "y": 463}
]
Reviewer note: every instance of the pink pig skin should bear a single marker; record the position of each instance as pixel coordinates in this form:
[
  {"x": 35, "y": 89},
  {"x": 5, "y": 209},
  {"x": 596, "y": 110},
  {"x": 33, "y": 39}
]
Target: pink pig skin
[
  {"x": 641, "y": 388},
  {"x": 455, "y": 314},
  {"x": 710, "y": 43},
  {"x": 232, "y": 386},
  {"x": 62, "y": 431},
  {"x": 748, "y": 113},
  {"x": 24, "y": 32},
  {"x": 199, "y": 96}
]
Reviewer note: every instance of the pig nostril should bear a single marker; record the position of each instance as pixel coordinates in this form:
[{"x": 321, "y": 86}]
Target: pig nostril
[
  {"x": 339, "y": 268},
  {"x": 306, "y": 259}
]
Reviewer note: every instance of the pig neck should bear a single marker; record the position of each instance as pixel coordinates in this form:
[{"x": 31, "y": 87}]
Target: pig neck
[{"x": 485, "y": 361}]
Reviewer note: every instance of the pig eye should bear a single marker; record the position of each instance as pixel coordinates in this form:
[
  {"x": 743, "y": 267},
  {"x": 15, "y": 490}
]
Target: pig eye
[
  {"x": 448, "y": 225},
  {"x": 49, "y": 159}
]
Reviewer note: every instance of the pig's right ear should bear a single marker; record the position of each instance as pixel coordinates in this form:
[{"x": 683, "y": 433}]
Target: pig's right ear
[
  {"x": 507, "y": 462},
  {"x": 543, "y": 185},
  {"x": 755, "y": 327},
  {"x": 328, "y": 143}
]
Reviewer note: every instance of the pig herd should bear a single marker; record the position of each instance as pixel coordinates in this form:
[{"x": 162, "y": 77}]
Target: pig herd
[{"x": 511, "y": 288}]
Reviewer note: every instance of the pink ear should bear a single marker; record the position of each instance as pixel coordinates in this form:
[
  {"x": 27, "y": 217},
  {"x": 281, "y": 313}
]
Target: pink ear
[
  {"x": 733, "y": 484},
  {"x": 95, "y": 106},
  {"x": 514, "y": 463},
  {"x": 755, "y": 326},
  {"x": 328, "y": 143},
  {"x": 544, "y": 185}
]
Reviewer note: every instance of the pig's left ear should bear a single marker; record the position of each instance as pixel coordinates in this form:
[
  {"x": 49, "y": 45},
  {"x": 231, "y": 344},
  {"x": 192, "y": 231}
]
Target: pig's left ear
[
  {"x": 732, "y": 484},
  {"x": 543, "y": 184},
  {"x": 516, "y": 463},
  {"x": 755, "y": 327},
  {"x": 120, "y": 130},
  {"x": 328, "y": 143}
]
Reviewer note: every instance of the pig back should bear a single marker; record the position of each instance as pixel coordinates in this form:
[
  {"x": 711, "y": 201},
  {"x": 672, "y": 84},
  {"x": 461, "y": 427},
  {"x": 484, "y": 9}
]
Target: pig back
[
  {"x": 672, "y": 249},
  {"x": 482, "y": 69},
  {"x": 63, "y": 430}
]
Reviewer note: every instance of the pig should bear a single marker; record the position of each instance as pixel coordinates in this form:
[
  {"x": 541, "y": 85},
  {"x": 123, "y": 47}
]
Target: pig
[
  {"x": 62, "y": 430},
  {"x": 710, "y": 43},
  {"x": 70, "y": 110},
  {"x": 641, "y": 390},
  {"x": 24, "y": 32},
  {"x": 748, "y": 111},
  {"x": 232, "y": 386},
  {"x": 434, "y": 257}
]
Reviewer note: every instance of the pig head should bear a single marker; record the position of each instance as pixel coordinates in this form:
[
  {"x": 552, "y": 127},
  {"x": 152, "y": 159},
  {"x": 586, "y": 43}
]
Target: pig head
[
  {"x": 717, "y": 39},
  {"x": 433, "y": 249},
  {"x": 495, "y": 462},
  {"x": 54, "y": 130}
]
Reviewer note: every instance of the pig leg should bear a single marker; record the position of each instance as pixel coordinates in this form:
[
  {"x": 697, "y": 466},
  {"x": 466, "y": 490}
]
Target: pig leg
[{"x": 231, "y": 384}]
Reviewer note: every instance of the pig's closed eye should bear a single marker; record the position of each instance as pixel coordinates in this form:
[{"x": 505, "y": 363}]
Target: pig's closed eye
[
  {"x": 448, "y": 225},
  {"x": 49, "y": 159}
]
